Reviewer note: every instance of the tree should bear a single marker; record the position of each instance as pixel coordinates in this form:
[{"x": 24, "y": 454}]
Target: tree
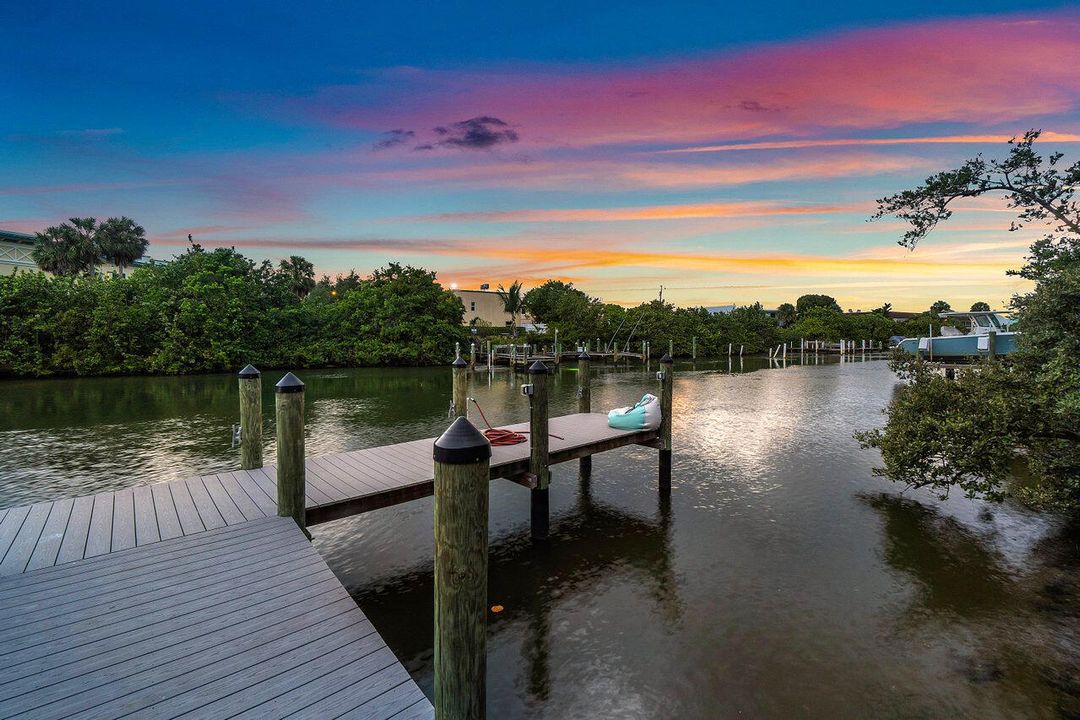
[
  {"x": 980, "y": 307},
  {"x": 513, "y": 303},
  {"x": 785, "y": 314},
  {"x": 973, "y": 432},
  {"x": 298, "y": 275},
  {"x": 940, "y": 306},
  {"x": 885, "y": 309},
  {"x": 69, "y": 248},
  {"x": 543, "y": 301},
  {"x": 121, "y": 241},
  {"x": 806, "y": 302}
]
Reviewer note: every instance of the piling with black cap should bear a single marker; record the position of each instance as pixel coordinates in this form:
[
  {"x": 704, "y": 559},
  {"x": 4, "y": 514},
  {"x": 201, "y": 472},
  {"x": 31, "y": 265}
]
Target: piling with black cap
[
  {"x": 667, "y": 386},
  {"x": 462, "y": 458},
  {"x": 250, "y": 380},
  {"x": 584, "y": 405},
  {"x": 538, "y": 449},
  {"x": 291, "y": 478},
  {"x": 461, "y": 387}
]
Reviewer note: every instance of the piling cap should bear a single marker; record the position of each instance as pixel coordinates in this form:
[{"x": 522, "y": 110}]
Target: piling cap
[
  {"x": 289, "y": 384},
  {"x": 584, "y": 355},
  {"x": 538, "y": 368},
  {"x": 461, "y": 444},
  {"x": 666, "y": 359},
  {"x": 459, "y": 362},
  {"x": 249, "y": 373}
]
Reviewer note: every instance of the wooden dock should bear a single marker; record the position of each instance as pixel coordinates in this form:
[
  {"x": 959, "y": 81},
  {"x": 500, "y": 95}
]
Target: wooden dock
[{"x": 192, "y": 598}]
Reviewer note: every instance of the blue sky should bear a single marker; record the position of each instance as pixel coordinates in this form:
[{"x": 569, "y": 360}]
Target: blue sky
[{"x": 613, "y": 145}]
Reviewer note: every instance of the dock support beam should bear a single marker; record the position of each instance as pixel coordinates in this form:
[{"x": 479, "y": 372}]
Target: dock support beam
[
  {"x": 462, "y": 458},
  {"x": 461, "y": 388},
  {"x": 250, "y": 418},
  {"x": 667, "y": 387},
  {"x": 584, "y": 405},
  {"x": 538, "y": 449},
  {"x": 291, "y": 478}
]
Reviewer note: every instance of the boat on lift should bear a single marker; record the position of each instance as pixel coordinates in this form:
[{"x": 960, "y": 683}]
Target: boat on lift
[{"x": 986, "y": 330}]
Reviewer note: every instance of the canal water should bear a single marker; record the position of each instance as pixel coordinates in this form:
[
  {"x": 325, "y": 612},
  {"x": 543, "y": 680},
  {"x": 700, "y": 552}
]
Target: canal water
[{"x": 780, "y": 580}]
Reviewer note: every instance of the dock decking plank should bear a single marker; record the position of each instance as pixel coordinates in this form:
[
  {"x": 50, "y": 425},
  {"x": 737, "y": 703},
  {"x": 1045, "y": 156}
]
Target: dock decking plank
[
  {"x": 265, "y": 502},
  {"x": 222, "y": 501},
  {"x": 168, "y": 520},
  {"x": 22, "y": 546},
  {"x": 262, "y": 622},
  {"x": 146, "y": 522},
  {"x": 10, "y": 526},
  {"x": 74, "y": 542},
  {"x": 99, "y": 534},
  {"x": 123, "y": 530},
  {"x": 52, "y": 535},
  {"x": 243, "y": 501},
  {"x": 190, "y": 522},
  {"x": 208, "y": 512}
]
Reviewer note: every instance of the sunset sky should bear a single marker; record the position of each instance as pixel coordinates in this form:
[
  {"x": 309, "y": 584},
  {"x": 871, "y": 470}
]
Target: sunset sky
[{"x": 730, "y": 152}]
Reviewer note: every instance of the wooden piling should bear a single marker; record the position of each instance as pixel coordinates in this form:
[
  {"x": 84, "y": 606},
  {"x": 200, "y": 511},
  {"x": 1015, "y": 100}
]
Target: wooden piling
[
  {"x": 461, "y": 388},
  {"x": 489, "y": 359},
  {"x": 462, "y": 457},
  {"x": 472, "y": 356},
  {"x": 671, "y": 348},
  {"x": 251, "y": 422},
  {"x": 693, "y": 348},
  {"x": 584, "y": 405},
  {"x": 991, "y": 345},
  {"x": 666, "y": 392},
  {"x": 291, "y": 478},
  {"x": 538, "y": 449}
]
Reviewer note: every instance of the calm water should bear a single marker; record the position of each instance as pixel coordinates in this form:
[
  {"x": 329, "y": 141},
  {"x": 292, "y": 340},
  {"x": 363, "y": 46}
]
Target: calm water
[{"x": 781, "y": 580}]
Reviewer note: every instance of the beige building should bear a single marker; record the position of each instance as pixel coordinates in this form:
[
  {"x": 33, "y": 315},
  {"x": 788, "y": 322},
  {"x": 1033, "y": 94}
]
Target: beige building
[
  {"x": 485, "y": 307},
  {"x": 15, "y": 249}
]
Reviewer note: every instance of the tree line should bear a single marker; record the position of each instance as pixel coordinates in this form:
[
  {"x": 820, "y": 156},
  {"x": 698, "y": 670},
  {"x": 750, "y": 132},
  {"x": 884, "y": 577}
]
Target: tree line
[
  {"x": 216, "y": 310},
  {"x": 579, "y": 316}
]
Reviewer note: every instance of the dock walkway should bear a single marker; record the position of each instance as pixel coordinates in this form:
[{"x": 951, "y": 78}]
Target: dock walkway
[{"x": 191, "y": 597}]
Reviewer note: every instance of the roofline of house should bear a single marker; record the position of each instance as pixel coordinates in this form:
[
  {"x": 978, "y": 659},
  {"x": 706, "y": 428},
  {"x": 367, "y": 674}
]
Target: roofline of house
[{"x": 18, "y": 237}]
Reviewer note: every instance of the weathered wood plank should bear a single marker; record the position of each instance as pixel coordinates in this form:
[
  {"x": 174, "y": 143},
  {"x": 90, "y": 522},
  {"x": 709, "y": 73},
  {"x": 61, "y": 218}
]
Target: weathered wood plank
[
  {"x": 146, "y": 523},
  {"x": 421, "y": 710},
  {"x": 168, "y": 520},
  {"x": 387, "y": 704},
  {"x": 74, "y": 543},
  {"x": 52, "y": 535},
  {"x": 22, "y": 547},
  {"x": 123, "y": 530}
]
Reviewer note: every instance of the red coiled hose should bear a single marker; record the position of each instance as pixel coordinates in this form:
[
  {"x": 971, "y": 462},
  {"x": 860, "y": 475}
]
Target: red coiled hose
[{"x": 498, "y": 436}]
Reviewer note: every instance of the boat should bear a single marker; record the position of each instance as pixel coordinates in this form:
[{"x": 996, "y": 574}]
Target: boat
[{"x": 986, "y": 329}]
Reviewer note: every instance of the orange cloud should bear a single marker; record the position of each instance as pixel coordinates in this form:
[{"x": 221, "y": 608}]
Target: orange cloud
[
  {"x": 653, "y": 212},
  {"x": 839, "y": 142}
]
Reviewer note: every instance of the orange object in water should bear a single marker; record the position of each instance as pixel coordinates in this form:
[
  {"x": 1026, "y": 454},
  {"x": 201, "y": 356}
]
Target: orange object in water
[{"x": 497, "y": 608}]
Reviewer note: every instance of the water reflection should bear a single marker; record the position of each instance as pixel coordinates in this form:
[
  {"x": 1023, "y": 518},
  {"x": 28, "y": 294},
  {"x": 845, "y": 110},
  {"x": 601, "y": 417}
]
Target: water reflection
[{"x": 591, "y": 543}]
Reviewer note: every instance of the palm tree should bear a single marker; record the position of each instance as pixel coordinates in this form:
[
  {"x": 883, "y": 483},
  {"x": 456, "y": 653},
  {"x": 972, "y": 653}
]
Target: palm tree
[
  {"x": 299, "y": 275},
  {"x": 69, "y": 248},
  {"x": 121, "y": 241},
  {"x": 513, "y": 303}
]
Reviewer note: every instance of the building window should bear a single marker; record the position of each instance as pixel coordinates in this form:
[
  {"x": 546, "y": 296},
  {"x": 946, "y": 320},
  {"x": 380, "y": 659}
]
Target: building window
[{"x": 472, "y": 306}]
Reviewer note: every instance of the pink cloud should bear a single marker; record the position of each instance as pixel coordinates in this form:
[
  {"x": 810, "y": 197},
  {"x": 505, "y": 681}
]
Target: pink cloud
[{"x": 989, "y": 70}]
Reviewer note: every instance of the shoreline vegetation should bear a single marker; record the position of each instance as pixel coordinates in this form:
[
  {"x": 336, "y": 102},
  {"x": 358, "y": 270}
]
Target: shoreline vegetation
[{"x": 216, "y": 310}]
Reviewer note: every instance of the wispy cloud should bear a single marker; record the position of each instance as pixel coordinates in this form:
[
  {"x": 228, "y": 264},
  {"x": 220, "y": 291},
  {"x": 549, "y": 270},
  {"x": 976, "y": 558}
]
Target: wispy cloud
[
  {"x": 1048, "y": 136},
  {"x": 651, "y": 212}
]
